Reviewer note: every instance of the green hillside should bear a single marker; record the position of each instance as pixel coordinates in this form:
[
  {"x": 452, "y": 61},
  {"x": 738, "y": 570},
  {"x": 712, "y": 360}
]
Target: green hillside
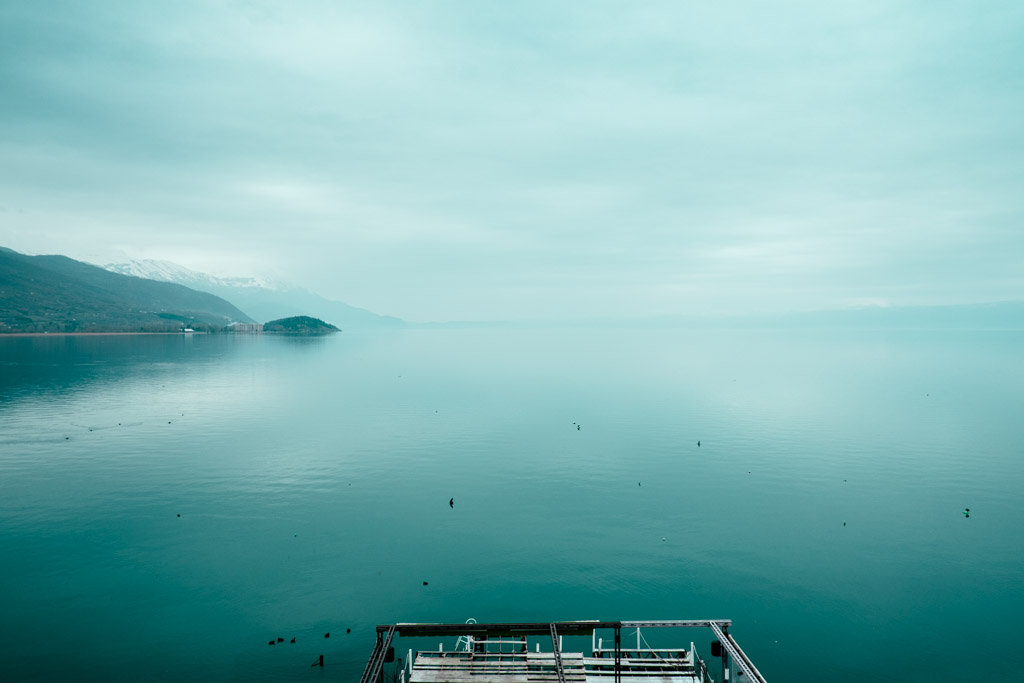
[
  {"x": 59, "y": 294},
  {"x": 300, "y": 324}
]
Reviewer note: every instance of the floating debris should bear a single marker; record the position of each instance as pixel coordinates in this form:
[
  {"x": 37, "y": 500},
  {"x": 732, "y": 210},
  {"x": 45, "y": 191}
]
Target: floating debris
[
  {"x": 451, "y": 503},
  {"x": 424, "y": 583},
  {"x": 327, "y": 635}
]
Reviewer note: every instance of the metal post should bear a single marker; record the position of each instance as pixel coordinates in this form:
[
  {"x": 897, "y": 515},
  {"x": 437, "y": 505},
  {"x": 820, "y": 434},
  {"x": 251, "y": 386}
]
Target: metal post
[
  {"x": 725, "y": 656},
  {"x": 618, "y": 653}
]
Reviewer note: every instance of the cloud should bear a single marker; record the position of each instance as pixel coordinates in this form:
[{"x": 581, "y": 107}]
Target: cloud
[{"x": 453, "y": 161}]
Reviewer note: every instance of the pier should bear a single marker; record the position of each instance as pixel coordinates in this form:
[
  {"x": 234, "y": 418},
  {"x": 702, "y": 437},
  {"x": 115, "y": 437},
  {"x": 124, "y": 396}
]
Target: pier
[{"x": 500, "y": 653}]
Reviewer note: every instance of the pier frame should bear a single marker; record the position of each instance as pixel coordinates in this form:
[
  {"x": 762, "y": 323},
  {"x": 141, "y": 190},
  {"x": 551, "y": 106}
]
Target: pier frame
[{"x": 720, "y": 627}]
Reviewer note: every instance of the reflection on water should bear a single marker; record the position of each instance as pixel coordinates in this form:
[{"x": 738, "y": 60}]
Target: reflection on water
[
  {"x": 34, "y": 364},
  {"x": 312, "y": 479}
]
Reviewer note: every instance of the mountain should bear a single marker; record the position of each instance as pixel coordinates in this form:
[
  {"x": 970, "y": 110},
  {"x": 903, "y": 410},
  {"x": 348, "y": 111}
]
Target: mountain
[
  {"x": 59, "y": 294},
  {"x": 998, "y": 315},
  {"x": 166, "y": 271},
  {"x": 263, "y": 299}
]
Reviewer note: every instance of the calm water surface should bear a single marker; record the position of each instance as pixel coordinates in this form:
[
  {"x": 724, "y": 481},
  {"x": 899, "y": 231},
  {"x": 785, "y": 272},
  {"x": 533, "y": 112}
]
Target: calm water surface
[{"x": 312, "y": 479}]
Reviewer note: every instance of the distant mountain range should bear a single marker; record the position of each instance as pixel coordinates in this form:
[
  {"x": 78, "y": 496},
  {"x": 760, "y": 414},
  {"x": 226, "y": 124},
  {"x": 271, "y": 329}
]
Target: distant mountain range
[
  {"x": 999, "y": 315},
  {"x": 263, "y": 299},
  {"x": 59, "y": 294}
]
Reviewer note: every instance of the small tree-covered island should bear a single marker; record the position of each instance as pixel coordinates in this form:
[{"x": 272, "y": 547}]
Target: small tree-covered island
[{"x": 299, "y": 324}]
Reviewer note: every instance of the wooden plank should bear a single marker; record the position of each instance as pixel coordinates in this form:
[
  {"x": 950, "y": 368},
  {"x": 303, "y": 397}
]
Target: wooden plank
[
  {"x": 539, "y": 667},
  {"x": 540, "y": 677},
  {"x": 434, "y": 676}
]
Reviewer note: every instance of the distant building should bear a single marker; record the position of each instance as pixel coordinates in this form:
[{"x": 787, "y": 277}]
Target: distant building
[{"x": 246, "y": 328}]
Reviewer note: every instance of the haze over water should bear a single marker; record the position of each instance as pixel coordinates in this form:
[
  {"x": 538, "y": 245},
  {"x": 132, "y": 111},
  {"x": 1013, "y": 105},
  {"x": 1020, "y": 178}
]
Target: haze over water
[{"x": 312, "y": 479}]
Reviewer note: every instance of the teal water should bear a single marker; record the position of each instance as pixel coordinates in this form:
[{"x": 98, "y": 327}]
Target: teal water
[{"x": 312, "y": 477}]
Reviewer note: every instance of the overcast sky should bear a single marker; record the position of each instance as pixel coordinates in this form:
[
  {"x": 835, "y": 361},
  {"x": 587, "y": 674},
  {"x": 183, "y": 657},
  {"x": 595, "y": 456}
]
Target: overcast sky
[{"x": 506, "y": 160}]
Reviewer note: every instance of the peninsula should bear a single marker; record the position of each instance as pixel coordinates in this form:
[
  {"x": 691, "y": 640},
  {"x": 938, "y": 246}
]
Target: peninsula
[{"x": 299, "y": 325}]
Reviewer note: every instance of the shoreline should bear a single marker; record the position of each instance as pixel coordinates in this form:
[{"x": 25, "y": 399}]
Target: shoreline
[{"x": 90, "y": 334}]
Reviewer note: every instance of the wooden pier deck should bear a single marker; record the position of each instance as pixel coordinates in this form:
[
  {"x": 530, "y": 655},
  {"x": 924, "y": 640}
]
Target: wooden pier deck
[{"x": 540, "y": 667}]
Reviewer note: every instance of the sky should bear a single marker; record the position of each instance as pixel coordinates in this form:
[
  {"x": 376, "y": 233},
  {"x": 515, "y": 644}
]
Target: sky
[{"x": 527, "y": 160}]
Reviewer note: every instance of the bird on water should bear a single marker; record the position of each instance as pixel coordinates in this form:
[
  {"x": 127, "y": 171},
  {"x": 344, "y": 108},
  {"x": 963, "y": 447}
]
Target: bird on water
[{"x": 451, "y": 503}]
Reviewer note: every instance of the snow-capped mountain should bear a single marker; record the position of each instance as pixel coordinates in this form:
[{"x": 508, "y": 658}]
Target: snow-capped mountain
[
  {"x": 166, "y": 271},
  {"x": 261, "y": 298}
]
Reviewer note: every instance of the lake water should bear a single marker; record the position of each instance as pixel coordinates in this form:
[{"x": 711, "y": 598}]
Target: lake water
[{"x": 312, "y": 479}]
